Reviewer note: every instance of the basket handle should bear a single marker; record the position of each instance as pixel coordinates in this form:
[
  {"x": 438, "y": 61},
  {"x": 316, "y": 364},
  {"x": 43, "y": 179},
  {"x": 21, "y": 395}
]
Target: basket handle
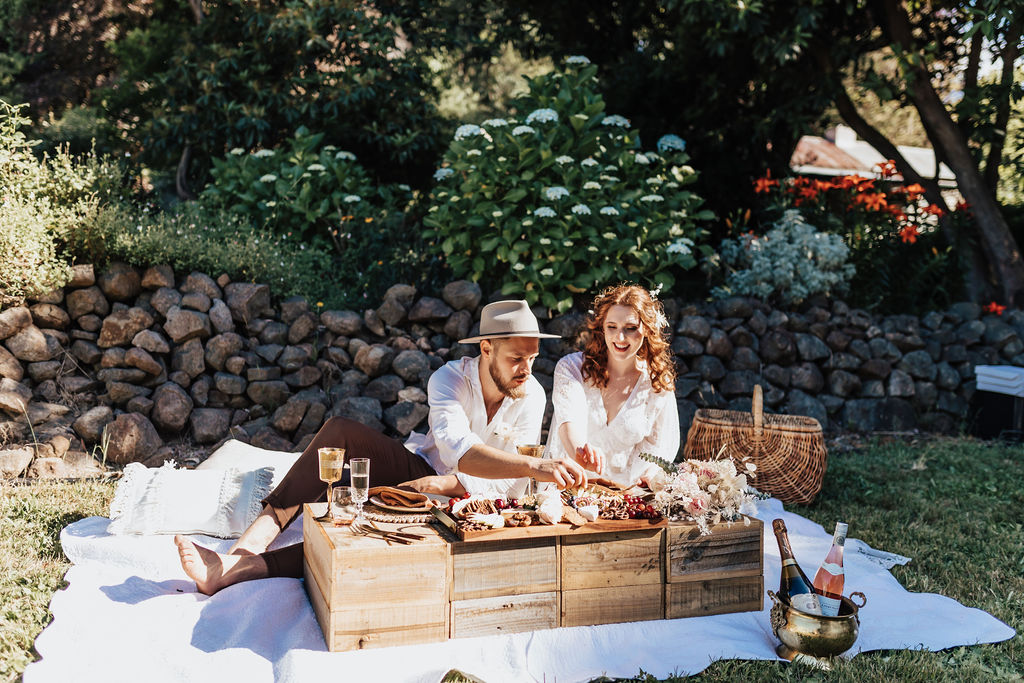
[{"x": 758, "y": 411}]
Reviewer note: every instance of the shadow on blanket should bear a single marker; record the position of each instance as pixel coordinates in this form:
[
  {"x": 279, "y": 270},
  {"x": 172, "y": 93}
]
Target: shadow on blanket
[{"x": 135, "y": 590}]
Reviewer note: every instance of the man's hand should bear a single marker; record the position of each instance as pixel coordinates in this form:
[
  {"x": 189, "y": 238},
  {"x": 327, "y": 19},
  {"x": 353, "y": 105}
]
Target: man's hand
[
  {"x": 591, "y": 458},
  {"x": 563, "y": 472}
]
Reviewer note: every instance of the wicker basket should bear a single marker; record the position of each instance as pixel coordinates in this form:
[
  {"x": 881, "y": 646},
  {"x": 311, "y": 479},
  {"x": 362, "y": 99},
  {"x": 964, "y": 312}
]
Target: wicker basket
[{"x": 789, "y": 451}]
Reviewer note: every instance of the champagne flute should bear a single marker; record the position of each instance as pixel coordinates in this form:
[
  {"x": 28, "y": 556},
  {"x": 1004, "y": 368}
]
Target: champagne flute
[
  {"x": 332, "y": 462},
  {"x": 359, "y": 483},
  {"x": 532, "y": 450}
]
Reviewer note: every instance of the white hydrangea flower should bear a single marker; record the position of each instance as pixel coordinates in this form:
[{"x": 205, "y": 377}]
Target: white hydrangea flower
[
  {"x": 581, "y": 210},
  {"x": 496, "y": 214},
  {"x": 544, "y": 212},
  {"x": 271, "y": 204},
  {"x": 263, "y": 153},
  {"x": 615, "y": 120},
  {"x": 495, "y": 123},
  {"x": 528, "y": 222},
  {"x": 577, "y": 59},
  {"x": 542, "y": 116},
  {"x": 404, "y": 188},
  {"x": 609, "y": 236},
  {"x": 609, "y": 211},
  {"x": 544, "y": 240},
  {"x": 652, "y": 198},
  {"x": 502, "y": 159},
  {"x": 523, "y": 130},
  {"x": 547, "y": 272},
  {"x": 564, "y": 159},
  {"x": 581, "y": 117},
  {"x": 555, "y": 193},
  {"x": 316, "y": 167},
  {"x": 655, "y": 181},
  {"x": 591, "y": 185},
  {"x": 518, "y": 266},
  {"x": 672, "y": 184},
  {"x": 351, "y": 199},
  {"x": 567, "y": 243},
  {"x": 591, "y": 248},
  {"x": 468, "y": 130},
  {"x": 588, "y": 162},
  {"x": 473, "y": 153},
  {"x": 609, "y": 178},
  {"x": 671, "y": 142},
  {"x": 345, "y": 156},
  {"x": 442, "y": 173},
  {"x": 679, "y": 247},
  {"x": 268, "y": 178},
  {"x": 238, "y": 151},
  {"x": 641, "y": 158}
]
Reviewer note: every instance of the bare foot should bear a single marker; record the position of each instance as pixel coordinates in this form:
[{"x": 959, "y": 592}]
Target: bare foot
[{"x": 212, "y": 571}]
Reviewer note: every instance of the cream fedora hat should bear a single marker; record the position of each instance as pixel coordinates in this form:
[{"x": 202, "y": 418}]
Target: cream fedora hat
[{"x": 508, "y": 319}]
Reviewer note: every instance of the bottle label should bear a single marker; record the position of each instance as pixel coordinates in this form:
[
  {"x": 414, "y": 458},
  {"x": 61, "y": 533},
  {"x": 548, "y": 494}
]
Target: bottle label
[
  {"x": 829, "y": 606},
  {"x": 806, "y": 602},
  {"x": 832, "y": 568}
]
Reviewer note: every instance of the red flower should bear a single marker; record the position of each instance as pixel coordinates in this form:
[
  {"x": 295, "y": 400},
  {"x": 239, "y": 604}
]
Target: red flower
[
  {"x": 872, "y": 202},
  {"x": 909, "y": 233},
  {"x": 962, "y": 205},
  {"x": 913, "y": 191},
  {"x": 887, "y": 169},
  {"x": 934, "y": 210},
  {"x": 993, "y": 307},
  {"x": 766, "y": 183}
]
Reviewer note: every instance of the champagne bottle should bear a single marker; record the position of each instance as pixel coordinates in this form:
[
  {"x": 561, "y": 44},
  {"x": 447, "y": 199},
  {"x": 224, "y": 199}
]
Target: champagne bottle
[
  {"x": 794, "y": 585},
  {"x": 828, "y": 582}
]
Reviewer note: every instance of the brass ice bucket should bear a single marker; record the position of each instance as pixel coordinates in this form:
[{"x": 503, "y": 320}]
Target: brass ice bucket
[{"x": 813, "y": 634}]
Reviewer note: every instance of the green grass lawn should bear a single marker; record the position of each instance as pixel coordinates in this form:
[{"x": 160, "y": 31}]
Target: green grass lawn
[{"x": 953, "y": 505}]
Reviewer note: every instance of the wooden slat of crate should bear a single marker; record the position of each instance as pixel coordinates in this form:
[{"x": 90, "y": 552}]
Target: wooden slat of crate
[
  {"x": 517, "y": 567},
  {"x": 628, "y": 558},
  {"x": 367, "y": 593},
  {"x": 714, "y": 596},
  {"x": 612, "y": 605},
  {"x": 729, "y": 551},
  {"x": 361, "y": 626},
  {"x": 504, "y": 614}
]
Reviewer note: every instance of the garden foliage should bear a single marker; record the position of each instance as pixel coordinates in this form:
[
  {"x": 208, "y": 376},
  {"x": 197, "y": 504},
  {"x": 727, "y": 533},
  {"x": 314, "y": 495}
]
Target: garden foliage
[
  {"x": 901, "y": 259},
  {"x": 787, "y": 265},
  {"x": 559, "y": 199}
]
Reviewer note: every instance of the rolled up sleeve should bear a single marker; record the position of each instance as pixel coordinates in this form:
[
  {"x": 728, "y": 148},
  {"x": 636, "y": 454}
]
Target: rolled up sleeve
[{"x": 448, "y": 420}]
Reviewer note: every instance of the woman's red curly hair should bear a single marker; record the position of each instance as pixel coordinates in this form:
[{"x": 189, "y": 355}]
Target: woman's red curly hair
[{"x": 654, "y": 349}]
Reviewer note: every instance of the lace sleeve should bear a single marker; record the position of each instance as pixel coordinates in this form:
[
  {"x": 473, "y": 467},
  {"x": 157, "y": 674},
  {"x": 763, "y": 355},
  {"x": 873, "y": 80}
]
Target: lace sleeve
[
  {"x": 663, "y": 439},
  {"x": 567, "y": 396}
]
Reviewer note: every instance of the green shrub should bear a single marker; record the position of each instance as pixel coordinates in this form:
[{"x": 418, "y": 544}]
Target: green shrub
[
  {"x": 30, "y": 264},
  {"x": 901, "y": 260},
  {"x": 562, "y": 200},
  {"x": 788, "y": 264}
]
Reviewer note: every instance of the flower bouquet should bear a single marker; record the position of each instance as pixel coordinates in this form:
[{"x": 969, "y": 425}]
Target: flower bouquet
[{"x": 705, "y": 491}]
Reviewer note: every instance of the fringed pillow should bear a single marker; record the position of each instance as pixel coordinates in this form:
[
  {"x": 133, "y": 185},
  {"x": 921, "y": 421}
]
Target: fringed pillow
[{"x": 165, "y": 500}]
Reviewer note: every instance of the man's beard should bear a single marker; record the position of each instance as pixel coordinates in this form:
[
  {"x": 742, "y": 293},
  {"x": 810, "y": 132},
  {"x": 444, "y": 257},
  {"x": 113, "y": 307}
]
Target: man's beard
[{"x": 506, "y": 386}]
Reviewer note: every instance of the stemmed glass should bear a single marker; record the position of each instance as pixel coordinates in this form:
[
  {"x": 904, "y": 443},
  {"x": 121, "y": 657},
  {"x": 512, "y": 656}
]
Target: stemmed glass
[
  {"x": 332, "y": 463},
  {"x": 534, "y": 451},
  {"x": 359, "y": 483}
]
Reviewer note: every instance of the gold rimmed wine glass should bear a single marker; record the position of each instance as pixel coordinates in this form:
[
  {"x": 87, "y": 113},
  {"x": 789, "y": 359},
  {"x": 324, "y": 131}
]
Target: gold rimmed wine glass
[{"x": 332, "y": 463}]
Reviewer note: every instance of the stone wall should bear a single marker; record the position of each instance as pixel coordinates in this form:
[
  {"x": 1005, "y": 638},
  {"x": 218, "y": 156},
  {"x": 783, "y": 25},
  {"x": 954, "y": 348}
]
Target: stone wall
[{"x": 129, "y": 365}]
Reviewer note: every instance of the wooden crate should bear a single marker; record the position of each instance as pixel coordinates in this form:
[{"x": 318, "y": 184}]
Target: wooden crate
[
  {"x": 715, "y": 574},
  {"x": 612, "y": 604},
  {"x": 504, "y": 614},
  {"x": 504, "y": 568},
  {"x": 625, "y": 558},
  {"x": 367, "y": 593}
]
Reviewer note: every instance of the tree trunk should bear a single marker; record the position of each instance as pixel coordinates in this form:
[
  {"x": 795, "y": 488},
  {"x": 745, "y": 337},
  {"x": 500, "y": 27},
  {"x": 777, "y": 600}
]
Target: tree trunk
[
  {"x": 181, "y": 176},
  {"x": 1001, "y": 251}
]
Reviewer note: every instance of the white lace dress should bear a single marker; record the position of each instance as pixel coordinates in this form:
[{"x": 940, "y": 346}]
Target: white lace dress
[{"x": 647, "y": 422}]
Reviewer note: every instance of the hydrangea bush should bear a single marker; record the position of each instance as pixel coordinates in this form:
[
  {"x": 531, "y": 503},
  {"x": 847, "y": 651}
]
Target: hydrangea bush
[
  {"x": 320, "y": 197},
  {"x": 788, "y": 264},
  {"x": 560, "y": 199}
]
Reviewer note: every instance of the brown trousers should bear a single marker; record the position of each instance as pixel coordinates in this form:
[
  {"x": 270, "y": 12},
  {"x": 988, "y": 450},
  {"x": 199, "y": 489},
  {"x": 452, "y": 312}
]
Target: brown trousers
[{"x": 391, "y": 463}]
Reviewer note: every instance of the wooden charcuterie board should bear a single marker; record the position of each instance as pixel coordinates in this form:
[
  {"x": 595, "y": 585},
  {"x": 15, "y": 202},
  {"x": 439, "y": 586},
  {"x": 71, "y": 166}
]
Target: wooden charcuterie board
[{"x": 536, "y": 530}]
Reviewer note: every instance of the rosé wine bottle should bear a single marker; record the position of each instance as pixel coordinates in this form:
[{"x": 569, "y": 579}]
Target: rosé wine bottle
[{"x": 829, "y": 581}]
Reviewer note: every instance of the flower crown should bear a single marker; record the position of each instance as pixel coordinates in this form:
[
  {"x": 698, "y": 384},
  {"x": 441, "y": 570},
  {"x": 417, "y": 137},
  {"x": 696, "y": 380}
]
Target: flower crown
[{"x": 659, "y": 319}]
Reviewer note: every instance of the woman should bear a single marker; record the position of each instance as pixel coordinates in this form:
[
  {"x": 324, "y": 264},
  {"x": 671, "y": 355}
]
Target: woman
[{"x": 616, "y": 398}]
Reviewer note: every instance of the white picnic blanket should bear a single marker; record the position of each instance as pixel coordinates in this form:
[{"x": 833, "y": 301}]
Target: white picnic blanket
[{"x": 130, "y": 614}]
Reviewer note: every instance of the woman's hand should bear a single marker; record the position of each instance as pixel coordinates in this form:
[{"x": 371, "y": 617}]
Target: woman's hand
[{"x": 591, "y": 458}]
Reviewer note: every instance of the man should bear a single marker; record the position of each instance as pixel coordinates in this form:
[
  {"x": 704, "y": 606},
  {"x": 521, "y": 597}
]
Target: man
[{"x": 480, "y": 409}]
